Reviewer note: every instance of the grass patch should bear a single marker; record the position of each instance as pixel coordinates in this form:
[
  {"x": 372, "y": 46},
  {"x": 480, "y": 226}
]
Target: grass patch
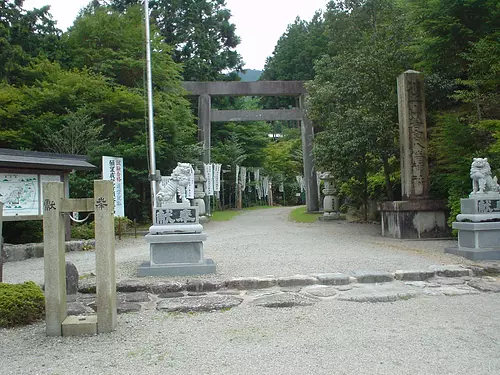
[
  {"x": 256, "y": 208},
  {"x": 300, "y": 215},
  {"x": 229, "y": 214},
  {"x": 224, "y": 215}
]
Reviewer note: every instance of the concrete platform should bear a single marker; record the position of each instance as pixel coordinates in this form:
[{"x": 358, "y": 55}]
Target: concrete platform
[
  {"x": 475, "y": 254},
  {"x": 186, "y": 269}
]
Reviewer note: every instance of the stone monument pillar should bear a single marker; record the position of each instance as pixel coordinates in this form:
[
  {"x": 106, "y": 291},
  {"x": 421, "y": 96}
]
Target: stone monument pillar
[
  {"x": 415, "y": 216},
  {"x": 478, "y": 224},
  {"x": 176, "y": 236}
]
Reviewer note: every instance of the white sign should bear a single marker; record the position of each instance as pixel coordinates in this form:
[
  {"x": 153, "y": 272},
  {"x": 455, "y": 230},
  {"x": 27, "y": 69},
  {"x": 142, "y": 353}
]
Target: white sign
[
  {"x": 112, "y": 170},
  {"x": 217, "y": 170},
  {"x": 19, "y": 194},
  {"x": 209, "y": 176}
]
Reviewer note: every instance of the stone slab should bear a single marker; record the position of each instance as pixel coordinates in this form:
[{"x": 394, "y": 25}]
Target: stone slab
[
  {"x": 134, "y": 297},
  {"x": 379, "y": 293},
  {"x": 373, "y": 276},
  {"x": 284, "y": 300},
  {"x": 450, "y": 271},
  {"x": 332, "y": 278},
  {"x": 323, "y": 291},
  {"x": 251, "y": 283},
  {"x": 474, "y": 254},
  {"x": 180, "y": 228},
  {"x": 201, "y": 303},
  {"x": 296, "y": 280},
  {"x": 203, "y": 286},
  {"x": 413, "y": 275},
  {"x": 79, "y": 325},
  {"x": 486, "y": 285},
  {"x": 207, "y": 266}
]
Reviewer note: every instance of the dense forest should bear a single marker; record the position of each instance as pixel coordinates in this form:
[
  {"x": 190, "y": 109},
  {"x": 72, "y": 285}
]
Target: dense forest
[{"x": 59, "y": 88}]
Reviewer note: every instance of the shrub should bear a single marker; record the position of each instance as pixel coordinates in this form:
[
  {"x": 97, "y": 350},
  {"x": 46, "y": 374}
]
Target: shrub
[
  {"x": 21, "y": 304},
  {"x": 122, "y": 224},
  {"x": 82, "y": 231},
  {"x": 17, "y": 232}
]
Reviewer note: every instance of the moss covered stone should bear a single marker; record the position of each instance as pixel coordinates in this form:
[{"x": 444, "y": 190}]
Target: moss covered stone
[{"x": 21, "y": 304}]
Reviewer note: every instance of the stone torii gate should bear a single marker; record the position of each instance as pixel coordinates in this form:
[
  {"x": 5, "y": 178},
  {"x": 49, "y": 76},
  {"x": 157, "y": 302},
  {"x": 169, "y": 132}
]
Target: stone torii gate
[{"x": 207, "y": 115}]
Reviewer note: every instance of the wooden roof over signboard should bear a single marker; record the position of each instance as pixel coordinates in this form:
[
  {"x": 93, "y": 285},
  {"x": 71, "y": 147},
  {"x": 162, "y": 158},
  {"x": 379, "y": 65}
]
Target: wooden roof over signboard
[{"x": 42, "y": 160}]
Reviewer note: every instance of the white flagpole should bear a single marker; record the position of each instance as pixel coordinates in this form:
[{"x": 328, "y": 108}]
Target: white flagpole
[{"x": 152, "y": 158}]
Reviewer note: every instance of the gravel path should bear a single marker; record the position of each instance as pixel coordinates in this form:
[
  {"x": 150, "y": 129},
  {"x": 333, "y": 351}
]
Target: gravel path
[
  {"x": 263, "y": 242},
  {"x": 428, "y": 335},
  {"x": 435, "y": 335}
]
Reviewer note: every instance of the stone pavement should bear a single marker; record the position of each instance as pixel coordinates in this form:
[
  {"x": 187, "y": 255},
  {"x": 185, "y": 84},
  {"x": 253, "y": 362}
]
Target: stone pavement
[{"x": 297, "y": 290}]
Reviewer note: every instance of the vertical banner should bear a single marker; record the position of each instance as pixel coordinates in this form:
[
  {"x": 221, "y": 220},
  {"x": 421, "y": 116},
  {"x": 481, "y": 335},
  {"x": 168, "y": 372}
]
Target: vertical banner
[
  {"x": 217, "y": 170},
  {"x": 243, "y": 178},
  {"x": 237, "y": 173},
  {"x": 112, "y": 170},
  {"x": 265, "y": 186},
  {"x": 258, "y": 186},
  {"x": 210, "y": 179},
  {"x": 190, "y": 187}
]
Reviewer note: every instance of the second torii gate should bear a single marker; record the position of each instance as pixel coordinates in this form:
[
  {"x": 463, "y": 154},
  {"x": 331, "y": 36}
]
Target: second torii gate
[{"x": 207, "y": 115}]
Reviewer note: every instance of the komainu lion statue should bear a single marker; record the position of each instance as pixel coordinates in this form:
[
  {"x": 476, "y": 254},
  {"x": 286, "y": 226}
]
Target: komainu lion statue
[
  {"x": 482, "y": 181},
  {"x": 178, "y": 180}
]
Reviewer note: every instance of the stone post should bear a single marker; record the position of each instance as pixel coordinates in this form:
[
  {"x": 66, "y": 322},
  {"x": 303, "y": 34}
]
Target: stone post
[
  {"x": 308, "y": 160},
  {"x": 54, "y": 257},
  {"x": 105, "y": 256},
  {"x": 413, "y": 136}
]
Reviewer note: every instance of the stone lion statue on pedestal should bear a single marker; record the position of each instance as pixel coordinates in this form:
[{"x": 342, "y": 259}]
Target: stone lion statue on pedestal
[
  {"x": 175, "y": 184},
  {"x": 482, "y": 180}
]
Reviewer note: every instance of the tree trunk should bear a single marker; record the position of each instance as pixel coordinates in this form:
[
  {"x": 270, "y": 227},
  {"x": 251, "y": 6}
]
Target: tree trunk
[
  {"x": 387, "y": 173},
  {"x": 365, "y": 188}
]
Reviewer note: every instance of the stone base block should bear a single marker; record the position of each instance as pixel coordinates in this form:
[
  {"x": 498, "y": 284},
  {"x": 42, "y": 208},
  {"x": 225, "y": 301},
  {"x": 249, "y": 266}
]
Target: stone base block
[
  {"x": 475, "y": 254},
  {"x": 414, "y": 219},
  {"x": 206, "y": 266},
  {"x": 176, "y": 248},
  {"x": 79, "y": 325},
  {"x": 327, "y": 216},
  {"x": 477, "y": 241},
  {"x": 478, "y": 235}
]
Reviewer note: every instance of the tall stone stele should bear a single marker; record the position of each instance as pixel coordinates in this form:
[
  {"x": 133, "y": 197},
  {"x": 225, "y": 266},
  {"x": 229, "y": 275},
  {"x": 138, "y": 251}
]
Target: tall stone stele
[
  {"x": 176, "y": 236},
  {"x": 416, "y": 216},
  {"x": 478, "y": 223}
]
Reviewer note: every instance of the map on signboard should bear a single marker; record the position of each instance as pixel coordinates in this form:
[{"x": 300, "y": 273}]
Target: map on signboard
[{"x": 19, "y": 194}]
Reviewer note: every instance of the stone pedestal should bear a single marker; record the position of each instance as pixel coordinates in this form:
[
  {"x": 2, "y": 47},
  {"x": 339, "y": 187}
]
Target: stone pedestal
[
  {"x": 416, "y": 216},
  {"x": 478, "y": 228},
  {"x": 414, "y": 219},
  {"x": 176, "y": 243}
]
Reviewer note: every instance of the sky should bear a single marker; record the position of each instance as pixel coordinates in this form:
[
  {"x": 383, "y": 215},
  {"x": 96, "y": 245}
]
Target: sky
[{"x": 259, "y": 23}]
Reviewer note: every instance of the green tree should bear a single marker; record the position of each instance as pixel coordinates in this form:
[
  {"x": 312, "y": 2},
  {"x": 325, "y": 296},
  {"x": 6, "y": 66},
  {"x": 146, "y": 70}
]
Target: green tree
[
  {"x": 24, "y": 35},
  {"x": 353, "y": 95},
  {"x": 200, "y": 32}
]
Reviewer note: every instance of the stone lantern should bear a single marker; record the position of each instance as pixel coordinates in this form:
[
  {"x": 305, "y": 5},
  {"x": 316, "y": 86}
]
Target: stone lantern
[
  {"x": 199, "y": 193},
  {"x": 331, "y": 201}
]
